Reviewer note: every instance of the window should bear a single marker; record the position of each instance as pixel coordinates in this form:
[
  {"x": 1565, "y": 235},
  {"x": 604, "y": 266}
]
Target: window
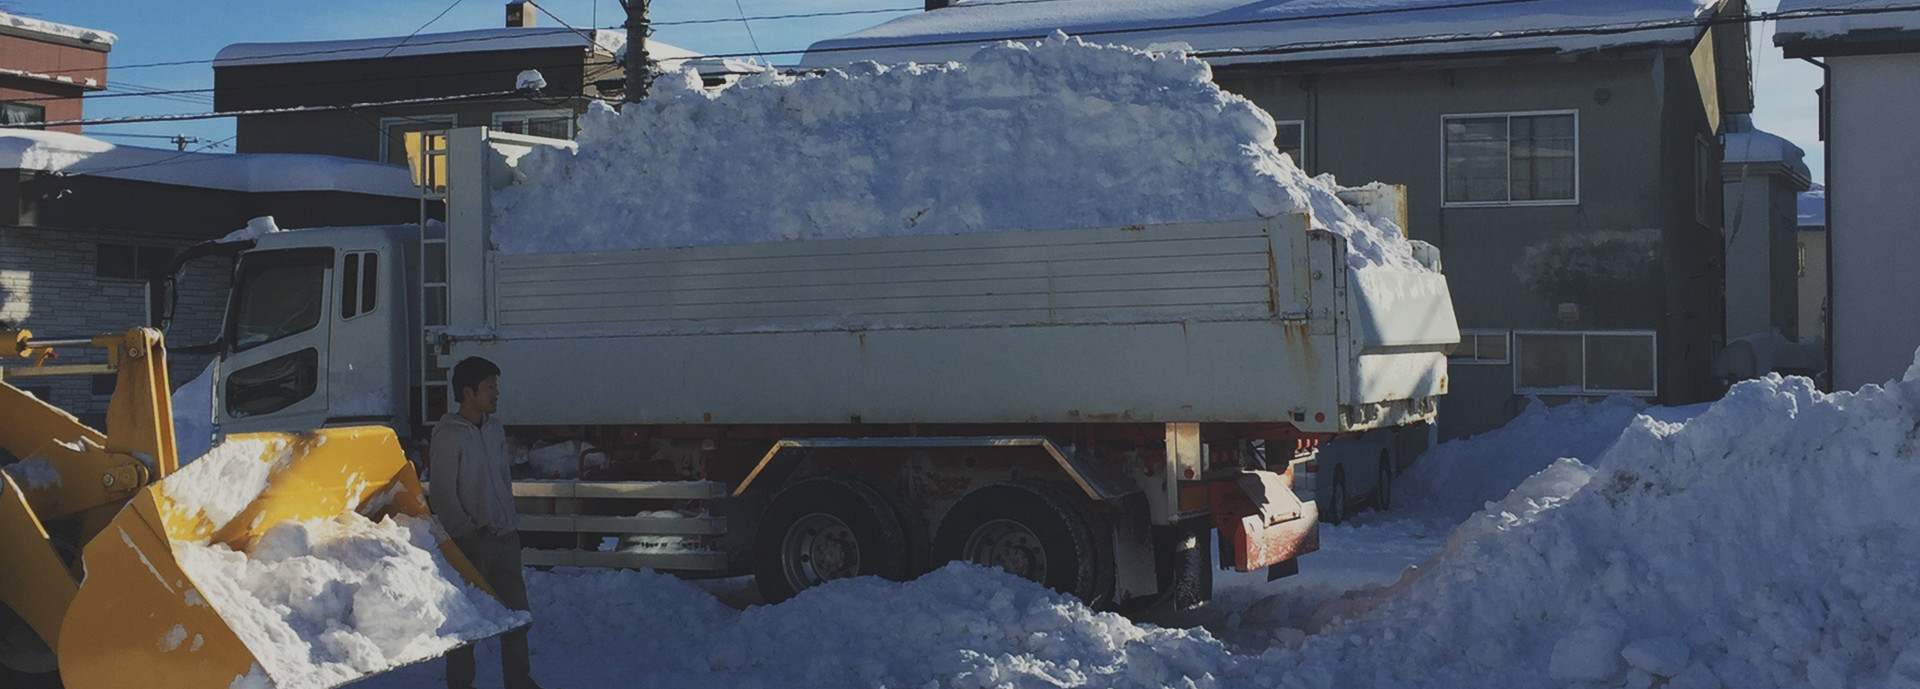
[
  {"x": 22, "y": 113},
  {"x": 1480, "y": 347},
  {"x": 274, "y": 384},
  {"x": 1292, "y": 141},
  {"x": 1583, "y": 363},
  {"x": 359, "y": 285},
  {"x": 553, "y": 124},
  {"x": 393, "y": 134},
  {"x": 279, "y": 294},
  {"x": 1521, "y": 158},
  {"x": 1705, "y": 175},
  {"x": 127, "y": 262}
]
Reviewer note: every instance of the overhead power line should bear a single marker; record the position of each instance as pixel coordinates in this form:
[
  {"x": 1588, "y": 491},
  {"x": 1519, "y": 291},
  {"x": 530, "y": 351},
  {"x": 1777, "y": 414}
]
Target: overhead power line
[
  {"x": 1298, "y": 47},
  {"x": 179, "y": 117}
]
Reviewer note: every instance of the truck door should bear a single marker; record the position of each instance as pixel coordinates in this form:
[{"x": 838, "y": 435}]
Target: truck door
[{"x": 276, "y": 339}]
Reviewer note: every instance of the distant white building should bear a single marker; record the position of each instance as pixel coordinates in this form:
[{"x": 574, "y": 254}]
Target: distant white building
[
  {"x": 1813, "y": 261},
  {"x": 1870, "y": 111}
]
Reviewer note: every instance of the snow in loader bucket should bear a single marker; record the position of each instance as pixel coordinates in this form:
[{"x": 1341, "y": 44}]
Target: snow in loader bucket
[{"x": 299, "y": 561}]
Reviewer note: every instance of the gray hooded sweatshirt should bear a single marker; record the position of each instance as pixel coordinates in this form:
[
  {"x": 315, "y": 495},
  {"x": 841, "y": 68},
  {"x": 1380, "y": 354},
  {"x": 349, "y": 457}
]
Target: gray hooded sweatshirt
[{"x": 472, "y": 477}]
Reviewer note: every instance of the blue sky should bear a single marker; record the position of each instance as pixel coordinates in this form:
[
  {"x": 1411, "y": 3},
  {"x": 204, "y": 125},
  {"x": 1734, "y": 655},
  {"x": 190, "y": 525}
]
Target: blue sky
[{"x": 194, "y": 30}]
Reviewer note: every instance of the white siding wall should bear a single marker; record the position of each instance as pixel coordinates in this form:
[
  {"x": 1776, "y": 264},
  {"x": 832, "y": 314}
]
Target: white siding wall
[{"x": 1874, "y": 219}]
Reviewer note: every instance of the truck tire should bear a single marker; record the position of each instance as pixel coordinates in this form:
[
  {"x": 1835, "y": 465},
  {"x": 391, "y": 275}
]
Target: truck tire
[
  {"x": 822, "y": 529},
  {"x": 1383, "y": 491},
  {"x": 1336, "y": 508},
  {"x": 1032, "y": 531}
]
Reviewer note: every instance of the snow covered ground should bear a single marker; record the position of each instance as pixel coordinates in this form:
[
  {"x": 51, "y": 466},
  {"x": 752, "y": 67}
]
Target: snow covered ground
[{"x": 1766, "y": 540}]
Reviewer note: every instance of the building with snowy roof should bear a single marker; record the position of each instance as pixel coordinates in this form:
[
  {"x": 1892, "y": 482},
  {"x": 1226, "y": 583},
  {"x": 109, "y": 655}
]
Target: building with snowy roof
[
  {"x": 84, "y": 223},
  {"x": 1870, "y": 50},
  {"x": 521, "y": 78},
  {"x": 1764, "y": 175},
  {"x": 1564, "y": 154},
  {"x": 46, "y": 68}
]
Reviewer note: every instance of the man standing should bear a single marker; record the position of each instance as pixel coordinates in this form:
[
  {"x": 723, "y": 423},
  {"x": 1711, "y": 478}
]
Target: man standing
[{"x": 472, "y": 495}]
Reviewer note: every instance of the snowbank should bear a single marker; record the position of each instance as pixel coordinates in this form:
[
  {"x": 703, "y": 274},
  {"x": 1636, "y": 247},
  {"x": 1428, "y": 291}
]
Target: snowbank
[
  {"x": 323, "y": 602},
  {"x": 1768, "y": 542},
  {"x": 1456, "y": 479},
  {"x": 1055, "y": 135}
]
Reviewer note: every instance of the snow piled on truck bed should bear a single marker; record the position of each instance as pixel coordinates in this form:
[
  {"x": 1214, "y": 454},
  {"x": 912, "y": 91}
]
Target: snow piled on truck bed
[
  {"x": 1767, "y": 540},
  {"x": 1055, "y": 135}
]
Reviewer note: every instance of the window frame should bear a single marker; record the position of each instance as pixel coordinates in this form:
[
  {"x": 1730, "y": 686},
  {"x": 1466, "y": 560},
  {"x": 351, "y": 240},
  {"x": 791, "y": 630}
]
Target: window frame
[
  {"x": 359, "y": 286},
  {"x": 1475, "y": 359},
  {"x": 1510, "y": 202},
  {"x": 35, "y": 113},
  {"x": 321, "y": 257},
  {"x": 143, "y": 254},
  {"x": 573, "y": 119},
  {"x": 386, "y": 131},
  {"x": 1653, "y": 342},
  {"x": 1301, "y": 161},
  {"x": 1705, "y": 176}
]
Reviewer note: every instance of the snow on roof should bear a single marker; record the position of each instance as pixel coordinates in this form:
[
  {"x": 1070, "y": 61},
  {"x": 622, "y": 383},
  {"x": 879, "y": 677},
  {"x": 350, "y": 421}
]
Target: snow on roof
[
  {"x": 47, "y": 28},
  {"x": 529, "y": 38},
  {"x": 1333, "y": 29},
  {"x": 74, "y": 154},
  {"x": 1813, "y": 208},
  {"x": 1745, "y": 144},
  {"x": 1834, "y": 18}
]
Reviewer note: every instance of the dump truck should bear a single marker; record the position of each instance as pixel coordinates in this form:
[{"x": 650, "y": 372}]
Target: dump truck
[
  {"x": 1095, "y": 409},
  {"x": 90, "y": 582}
]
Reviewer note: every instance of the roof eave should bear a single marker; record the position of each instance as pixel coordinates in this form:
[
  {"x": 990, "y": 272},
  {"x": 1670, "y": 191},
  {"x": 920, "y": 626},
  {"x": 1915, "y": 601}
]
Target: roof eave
[{"x": 1797, "y": 45}]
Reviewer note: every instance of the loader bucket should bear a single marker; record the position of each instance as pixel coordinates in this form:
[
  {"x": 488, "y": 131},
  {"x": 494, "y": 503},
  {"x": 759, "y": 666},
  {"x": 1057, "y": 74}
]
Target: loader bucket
[{"x": 151, "y": 613}]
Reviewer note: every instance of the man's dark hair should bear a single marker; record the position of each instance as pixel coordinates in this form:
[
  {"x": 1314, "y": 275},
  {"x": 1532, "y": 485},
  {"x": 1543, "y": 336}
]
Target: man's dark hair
[{"x": 469, "y": 372}]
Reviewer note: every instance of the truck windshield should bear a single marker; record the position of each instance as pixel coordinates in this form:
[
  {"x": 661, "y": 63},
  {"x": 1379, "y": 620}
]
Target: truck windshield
[{"x": 279, "y": 295}]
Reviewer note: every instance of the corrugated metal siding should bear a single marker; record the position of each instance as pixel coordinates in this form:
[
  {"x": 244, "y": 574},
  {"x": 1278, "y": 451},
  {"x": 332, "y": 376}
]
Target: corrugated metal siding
[{"x": 1160, "y": 273}]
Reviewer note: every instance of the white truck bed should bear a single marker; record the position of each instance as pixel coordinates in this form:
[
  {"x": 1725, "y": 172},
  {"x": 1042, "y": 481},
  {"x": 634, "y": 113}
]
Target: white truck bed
[{"x": 1247, "y": 321}]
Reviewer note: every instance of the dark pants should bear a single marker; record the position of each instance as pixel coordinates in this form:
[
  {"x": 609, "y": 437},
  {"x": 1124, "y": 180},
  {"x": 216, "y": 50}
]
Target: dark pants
[{"x": 498, "y": 560}]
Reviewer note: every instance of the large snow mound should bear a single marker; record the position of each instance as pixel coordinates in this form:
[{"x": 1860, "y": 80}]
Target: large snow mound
[
  {"x": 1768, "y": 542},
  {"x": 1055, "y": 135}
]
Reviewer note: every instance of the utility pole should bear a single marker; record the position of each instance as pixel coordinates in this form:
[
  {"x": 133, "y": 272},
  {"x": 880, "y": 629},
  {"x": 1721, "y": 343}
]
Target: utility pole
[
  {"x": 639, "y": 66},
  {"x": 180, "y": 141}
]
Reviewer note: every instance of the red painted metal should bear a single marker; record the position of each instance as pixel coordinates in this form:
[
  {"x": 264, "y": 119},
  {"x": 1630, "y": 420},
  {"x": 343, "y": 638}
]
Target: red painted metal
[{"x": 1261, "y": 521}]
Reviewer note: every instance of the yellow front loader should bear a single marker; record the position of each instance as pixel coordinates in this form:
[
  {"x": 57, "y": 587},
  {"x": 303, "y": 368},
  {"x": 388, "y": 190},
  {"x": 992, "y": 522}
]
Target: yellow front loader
[{"x": 88, "y": 577}]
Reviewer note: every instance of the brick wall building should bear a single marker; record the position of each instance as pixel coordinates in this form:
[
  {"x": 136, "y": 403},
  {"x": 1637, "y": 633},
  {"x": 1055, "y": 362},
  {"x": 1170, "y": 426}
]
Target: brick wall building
[{"x": 46, "y": 67}]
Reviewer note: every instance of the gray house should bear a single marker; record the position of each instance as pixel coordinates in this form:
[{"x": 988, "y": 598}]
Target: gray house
[{"x": 1565, "y": 155}]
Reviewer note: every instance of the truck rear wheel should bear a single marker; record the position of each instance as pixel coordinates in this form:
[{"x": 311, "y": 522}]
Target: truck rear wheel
[
  {"x": 823, "y": 529},
  {"x": 1032, "y": 531}
]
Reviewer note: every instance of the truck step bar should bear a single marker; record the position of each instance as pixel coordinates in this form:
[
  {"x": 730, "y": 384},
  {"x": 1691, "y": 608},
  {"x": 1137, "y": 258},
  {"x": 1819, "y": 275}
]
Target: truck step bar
[
  {"x": 635, "y": 490},
  {"x": 639, "y": 526},
  {"x": 685, "y": 561}
]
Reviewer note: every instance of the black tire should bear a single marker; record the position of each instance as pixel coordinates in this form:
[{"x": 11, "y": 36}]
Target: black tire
[
  {"x": 37, "y": 671},
  {"x": 1336, "y": 507},
  {"x": 1034, "y": 531},
  {"x": 1383, "y": 491},
  {"x": 828, "y": 528}
]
